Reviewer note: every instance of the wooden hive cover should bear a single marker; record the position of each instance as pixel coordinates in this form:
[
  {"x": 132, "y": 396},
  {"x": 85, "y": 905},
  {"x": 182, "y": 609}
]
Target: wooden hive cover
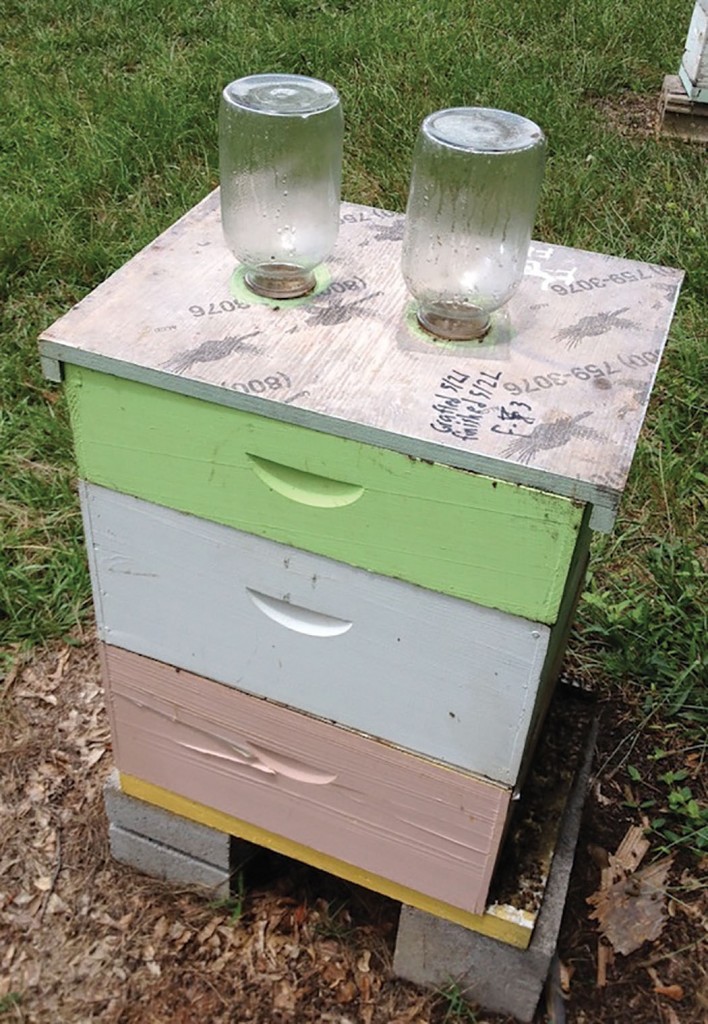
[{"x": 554, "y": 397}]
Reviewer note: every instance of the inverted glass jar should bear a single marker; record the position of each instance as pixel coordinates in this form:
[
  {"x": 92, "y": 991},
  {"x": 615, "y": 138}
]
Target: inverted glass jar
[
  {"x": 474, "y": 191},
  {"x": 280, "y": 162}
]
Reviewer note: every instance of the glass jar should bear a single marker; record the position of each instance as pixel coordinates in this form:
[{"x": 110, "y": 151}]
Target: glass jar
[
  {"x": 280, "y": 161},
  {"x": 474, "y": 191}
]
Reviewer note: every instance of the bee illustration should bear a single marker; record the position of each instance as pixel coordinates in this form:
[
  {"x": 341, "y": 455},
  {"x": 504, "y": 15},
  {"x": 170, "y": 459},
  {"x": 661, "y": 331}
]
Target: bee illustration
[
  {"x": 337, "y": 311},
  {"x": 546, "y": 436},
  {"x": 211, "y": 351},
  {"x": 595, "y": 325}
]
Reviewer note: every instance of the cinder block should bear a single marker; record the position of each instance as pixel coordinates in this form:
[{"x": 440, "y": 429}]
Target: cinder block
[
  {"x": 166, "y": 863},
  {"x": 433, "y": 952},
  {"x": 184, "y": 836}
]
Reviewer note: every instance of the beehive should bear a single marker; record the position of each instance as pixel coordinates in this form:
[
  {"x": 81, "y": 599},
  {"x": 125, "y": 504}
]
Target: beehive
[
  {"x": 334, "y": 561},
  {"x": 693, "y": 71}
]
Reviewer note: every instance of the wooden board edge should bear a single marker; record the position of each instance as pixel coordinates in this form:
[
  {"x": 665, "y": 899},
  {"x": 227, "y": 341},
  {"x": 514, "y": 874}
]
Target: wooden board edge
[
  {"x": 506, "y": 924},
  {"x": 52, "y": 367},
  {"x": 520, "y": 671},
  {"x": 682, "y": 114},
  {"x": 417, "y": 448},
  {"x": 557, "y": 646}
]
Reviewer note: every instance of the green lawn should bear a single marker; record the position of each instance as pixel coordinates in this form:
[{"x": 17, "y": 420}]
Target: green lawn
[{"x": 108, "y": 134}]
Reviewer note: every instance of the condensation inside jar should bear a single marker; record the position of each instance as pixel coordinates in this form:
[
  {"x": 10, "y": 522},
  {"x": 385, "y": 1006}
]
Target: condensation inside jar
[
  {"x": 280, "y": 152},
  {"x": 474, "y": 190}
]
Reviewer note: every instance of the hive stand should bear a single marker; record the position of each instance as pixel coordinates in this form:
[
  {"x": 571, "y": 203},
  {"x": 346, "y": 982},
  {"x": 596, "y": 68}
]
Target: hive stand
[
  {"x": 335, "y": 561},
  {"x": 683, "y": 104},
  {"x": 168, "y": 846},
  {"x": 495, "y": 973}
]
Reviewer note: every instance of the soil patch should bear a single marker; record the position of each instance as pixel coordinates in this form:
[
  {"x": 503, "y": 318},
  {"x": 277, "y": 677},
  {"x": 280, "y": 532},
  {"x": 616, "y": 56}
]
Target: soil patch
[{"x": 631, "y": 115}]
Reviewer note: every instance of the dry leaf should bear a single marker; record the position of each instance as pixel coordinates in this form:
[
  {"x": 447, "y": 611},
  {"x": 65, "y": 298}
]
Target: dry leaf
[
  {"x": 31, "y": 974},
  {"x": 284, "y": 997},
  {"x": 48, "y": 698},
  {"x": 629, "y": 795},
  {"x": 35, "y": 905},
  {"x": 149, "y": 959},
  {"x": 600, "y": 796},
  {"x": 412, "y": 1014},
  {"x": 62, "y": 662},
  {"x": 670, "y": 991},
  {"x": 36, "y": 793},
  {"x": 208, "y": 930},
  {"x": 566, "y": 972},
  {"x": 56, "y": 905},
  {"x": 633, "y": 909},
  {"x": 259, "y": 937},
  {"x": 333, "y": 974},
  {"x": 94, "y": 756},
  {"x": 362, "y": 963},
  {"x": 605, "y": 959},
  {"x": 346, "y": 993},
  {"x": 365, "y": 988},
  {"x": 10, "y": 678},
  {"x": 688, "y": 881}
]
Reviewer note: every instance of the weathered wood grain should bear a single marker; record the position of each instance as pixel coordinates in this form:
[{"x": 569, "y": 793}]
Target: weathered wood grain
[
  {"x": 681, "y": 117},
  {"x": 401, "y": 817},
  {"x": 554, "y": 397},
  {"x": 439, "y": 676},
  {"x": 463, "y": 534}
]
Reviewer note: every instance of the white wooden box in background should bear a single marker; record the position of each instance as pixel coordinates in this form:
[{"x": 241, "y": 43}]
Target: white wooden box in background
[{"x": 694, "y": 63}]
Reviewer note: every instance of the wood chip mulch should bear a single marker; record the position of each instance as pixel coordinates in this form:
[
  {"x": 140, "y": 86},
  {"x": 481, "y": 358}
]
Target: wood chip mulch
[{"x": 84, "y": 939}]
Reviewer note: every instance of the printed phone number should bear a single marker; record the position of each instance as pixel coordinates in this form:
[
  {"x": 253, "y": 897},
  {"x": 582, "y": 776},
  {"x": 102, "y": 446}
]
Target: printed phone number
[
  {"x": 354, "y": 284},
  {"x": 589, "y": 284},
  {"x": 543, "y": 381}
]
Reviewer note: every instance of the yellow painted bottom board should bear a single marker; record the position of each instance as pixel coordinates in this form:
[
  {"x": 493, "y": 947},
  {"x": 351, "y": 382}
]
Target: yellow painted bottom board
[{"x": 506, "y": 923}]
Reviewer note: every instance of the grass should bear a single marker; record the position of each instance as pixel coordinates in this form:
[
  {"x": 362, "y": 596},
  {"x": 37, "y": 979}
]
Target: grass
[
  {"x": 454, "y": 1005},
  {"x": 108, "y": 129},
  {"x": 333, "y": 919},
  {"x": 235, "y": 905}
]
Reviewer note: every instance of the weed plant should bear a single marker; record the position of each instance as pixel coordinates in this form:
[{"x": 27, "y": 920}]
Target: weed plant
[
  {"x": 108, "y": 128},
  {"x": 235, "y": 904},
  {"x": 454, "y": 1005}
]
